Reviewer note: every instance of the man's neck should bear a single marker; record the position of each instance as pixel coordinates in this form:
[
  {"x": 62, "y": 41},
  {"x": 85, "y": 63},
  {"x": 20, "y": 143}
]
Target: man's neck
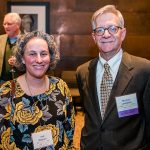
[{"x": 12, "y": 40}]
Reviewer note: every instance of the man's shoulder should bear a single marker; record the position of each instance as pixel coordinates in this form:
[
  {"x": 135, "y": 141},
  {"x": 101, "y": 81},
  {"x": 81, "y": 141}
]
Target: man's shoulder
[
  {"x": 136, "y": 61},
  {"x": 87, "y": 64},
  {"x": 3, "y": 36},
  {"x": 136, "y": 58}
]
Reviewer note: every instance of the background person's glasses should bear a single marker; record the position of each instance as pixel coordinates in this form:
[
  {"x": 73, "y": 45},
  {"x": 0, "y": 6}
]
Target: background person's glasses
[{"x": 111, "y": 29}]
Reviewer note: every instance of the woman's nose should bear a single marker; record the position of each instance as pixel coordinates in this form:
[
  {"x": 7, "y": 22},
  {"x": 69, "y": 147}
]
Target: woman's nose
[{"x": 38, "y": 58}]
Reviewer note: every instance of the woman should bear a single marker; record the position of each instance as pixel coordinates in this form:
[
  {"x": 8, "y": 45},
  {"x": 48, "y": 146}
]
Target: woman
[{"x": 36, "y": 111}]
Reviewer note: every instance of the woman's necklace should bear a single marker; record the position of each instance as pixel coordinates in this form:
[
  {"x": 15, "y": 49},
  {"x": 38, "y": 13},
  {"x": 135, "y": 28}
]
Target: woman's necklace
[
  {"x": 29, "y": 89},
  {"x": 32, "y": 96}
]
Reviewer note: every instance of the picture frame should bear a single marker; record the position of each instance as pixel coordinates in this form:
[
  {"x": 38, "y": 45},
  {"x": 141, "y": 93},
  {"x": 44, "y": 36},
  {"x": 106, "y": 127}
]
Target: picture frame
[{"x": 37, "y": 11}]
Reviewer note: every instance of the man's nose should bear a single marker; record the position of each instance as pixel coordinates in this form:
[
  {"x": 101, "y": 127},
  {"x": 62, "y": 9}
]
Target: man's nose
[{"x": 106, "y": 33}]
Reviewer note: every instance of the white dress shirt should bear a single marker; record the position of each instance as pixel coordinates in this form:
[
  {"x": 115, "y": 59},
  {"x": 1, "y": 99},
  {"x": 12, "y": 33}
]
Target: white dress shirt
[{"x": 114, "y": 64}]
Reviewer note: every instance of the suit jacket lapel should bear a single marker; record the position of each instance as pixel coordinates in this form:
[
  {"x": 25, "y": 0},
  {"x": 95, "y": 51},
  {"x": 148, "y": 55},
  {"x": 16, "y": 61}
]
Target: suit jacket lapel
[
  {"x": 93, "y": 88},
  {"x": 122, "y": 79}
]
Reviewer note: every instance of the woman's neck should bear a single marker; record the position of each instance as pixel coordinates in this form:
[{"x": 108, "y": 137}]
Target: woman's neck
[
  {"x": 34, "y": 86},
  {"x": 35, "y": 82}
]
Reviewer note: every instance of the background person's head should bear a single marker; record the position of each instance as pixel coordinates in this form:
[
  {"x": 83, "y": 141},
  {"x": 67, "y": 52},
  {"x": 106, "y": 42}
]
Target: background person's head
[
  {"x": 11, "y": 24},
  {"x": 27, "y": 23},
  {"x": 26, "y": 38}
]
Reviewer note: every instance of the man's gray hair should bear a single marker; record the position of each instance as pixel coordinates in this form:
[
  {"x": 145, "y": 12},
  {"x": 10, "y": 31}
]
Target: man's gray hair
[
  {"x": 15, "y": 16},
  {"x": 107, "y": 9}
]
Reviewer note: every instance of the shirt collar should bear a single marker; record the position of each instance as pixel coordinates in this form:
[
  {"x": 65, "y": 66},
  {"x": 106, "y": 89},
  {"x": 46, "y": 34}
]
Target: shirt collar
[
  {"x": 113, "y": 61},
  {"x": 12, "y": 40}
]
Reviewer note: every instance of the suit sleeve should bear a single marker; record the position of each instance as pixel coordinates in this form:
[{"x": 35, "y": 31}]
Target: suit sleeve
[
  {"x": 79, "y": 84},
  {"x": 146, "y": 98}
]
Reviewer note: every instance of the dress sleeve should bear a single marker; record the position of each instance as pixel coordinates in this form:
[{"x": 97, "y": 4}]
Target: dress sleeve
[{"x": 5, "y": 112}]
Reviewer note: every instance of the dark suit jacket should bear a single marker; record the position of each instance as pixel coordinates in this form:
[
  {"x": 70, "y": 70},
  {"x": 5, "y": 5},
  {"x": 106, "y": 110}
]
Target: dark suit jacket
[{"x": 114, "y": 133}]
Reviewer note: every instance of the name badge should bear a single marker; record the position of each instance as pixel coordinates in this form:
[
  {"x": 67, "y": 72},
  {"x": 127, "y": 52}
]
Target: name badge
[
  {"x": 127, "y": 105},
  {"x": 42, "y": 139}
]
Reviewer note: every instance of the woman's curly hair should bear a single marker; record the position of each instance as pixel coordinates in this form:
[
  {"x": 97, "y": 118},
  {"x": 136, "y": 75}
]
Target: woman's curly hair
[{"x": 24, "y": 39}]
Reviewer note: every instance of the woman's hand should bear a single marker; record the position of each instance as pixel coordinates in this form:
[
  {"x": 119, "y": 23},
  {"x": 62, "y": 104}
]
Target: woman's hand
[{"x": 12, "y": 60}]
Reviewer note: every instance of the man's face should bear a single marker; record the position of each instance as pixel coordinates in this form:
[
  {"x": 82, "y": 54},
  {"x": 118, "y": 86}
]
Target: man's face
[
  {"x": 11, "y": 27},
  {"x": 109, "y": 44}
]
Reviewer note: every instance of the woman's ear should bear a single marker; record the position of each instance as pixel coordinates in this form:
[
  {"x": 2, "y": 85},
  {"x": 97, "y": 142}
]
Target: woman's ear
[{"x": 23, "y": 61}]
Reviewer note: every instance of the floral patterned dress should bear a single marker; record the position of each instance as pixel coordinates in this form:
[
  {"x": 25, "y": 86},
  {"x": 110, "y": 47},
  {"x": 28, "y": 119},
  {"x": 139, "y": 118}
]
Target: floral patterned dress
[{"x": 23, "y": 115}]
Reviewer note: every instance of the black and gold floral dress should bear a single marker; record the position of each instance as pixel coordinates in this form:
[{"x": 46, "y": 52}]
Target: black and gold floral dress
[{"x": 23, "y": 115}]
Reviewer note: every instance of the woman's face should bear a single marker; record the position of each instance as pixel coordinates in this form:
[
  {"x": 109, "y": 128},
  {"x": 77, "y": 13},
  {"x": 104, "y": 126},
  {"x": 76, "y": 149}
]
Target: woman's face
[{"x": 36, "y": 57}]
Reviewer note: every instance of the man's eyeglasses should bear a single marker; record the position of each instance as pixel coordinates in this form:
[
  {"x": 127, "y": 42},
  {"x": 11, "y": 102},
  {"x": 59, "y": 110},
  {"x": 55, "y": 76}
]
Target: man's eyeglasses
[{"x": 111, "y": 29}]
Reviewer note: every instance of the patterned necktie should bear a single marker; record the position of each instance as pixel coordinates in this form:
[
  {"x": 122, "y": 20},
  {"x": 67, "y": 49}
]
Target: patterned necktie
[{"x": 105, "y": 88}]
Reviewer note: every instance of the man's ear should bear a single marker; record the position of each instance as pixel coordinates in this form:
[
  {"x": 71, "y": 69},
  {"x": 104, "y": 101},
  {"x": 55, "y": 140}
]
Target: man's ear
[
  {"x": 123, "y": 34},
  {"x": 93, "y": 36}
]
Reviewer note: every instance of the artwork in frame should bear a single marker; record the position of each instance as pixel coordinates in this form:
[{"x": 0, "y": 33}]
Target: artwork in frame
[{"x": 34, "y": 15}]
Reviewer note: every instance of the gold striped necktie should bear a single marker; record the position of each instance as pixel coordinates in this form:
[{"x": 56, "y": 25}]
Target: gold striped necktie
[{"x": 105, "y": 88}]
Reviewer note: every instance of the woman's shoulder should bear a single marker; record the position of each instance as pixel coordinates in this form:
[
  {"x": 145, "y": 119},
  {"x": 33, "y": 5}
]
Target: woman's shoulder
[
  {"x": 5, "y": 87},
  {"x": 57, "y": 81},
  {"x": 54, "y": 79}
]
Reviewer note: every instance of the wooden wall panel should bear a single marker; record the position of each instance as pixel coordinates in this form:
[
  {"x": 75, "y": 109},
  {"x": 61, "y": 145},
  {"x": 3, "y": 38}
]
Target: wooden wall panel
[
  {"x": 71, "y": 23},
  {"x": 3, "y": 10},
  {"x": 137, "y": 23},
  {"x": 137, "y": 6},
  {"x": 92, "y": 5},
  {"x": 138, "y": 45},
  {"x": 62, "y": 5},
  {"x": 82, "y": 46}
]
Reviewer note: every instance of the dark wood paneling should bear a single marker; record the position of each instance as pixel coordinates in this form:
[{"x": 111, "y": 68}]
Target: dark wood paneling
[
  {"x": 137, "y": 6},
  {"x": 78, "y": 45},
  {"x": 92, "y": 5},
  {"x": 137, "y": 23},
  {"x": 3, "y": 10},
  {"x": 62, "y": 5},
  {"x": 71, "y": 23},
  {"x": 138, "y": 45},
  {"x": 71, "y": 62}
]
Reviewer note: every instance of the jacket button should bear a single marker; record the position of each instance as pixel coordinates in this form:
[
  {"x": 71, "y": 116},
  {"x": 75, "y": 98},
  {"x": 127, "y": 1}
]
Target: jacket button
[{"x": 102, "y": 130}]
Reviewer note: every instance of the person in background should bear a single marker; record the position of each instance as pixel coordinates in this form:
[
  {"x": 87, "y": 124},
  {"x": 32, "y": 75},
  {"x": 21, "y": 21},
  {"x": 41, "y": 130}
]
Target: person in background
[
  {"x": 36, "y": 110},
  {"x": 27, "y": 23},
  {"x": 114, "y": 89},
  {"x": 11, "y": 23}
]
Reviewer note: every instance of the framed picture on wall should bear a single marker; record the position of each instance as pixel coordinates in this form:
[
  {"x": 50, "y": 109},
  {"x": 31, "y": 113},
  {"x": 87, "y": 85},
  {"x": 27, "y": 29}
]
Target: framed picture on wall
[{"x": 34, "y": 15}]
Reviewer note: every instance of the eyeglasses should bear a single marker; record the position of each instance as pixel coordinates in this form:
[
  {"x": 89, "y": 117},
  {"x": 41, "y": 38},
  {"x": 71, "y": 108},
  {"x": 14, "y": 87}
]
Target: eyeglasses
[{"x": 111, "y": 29}]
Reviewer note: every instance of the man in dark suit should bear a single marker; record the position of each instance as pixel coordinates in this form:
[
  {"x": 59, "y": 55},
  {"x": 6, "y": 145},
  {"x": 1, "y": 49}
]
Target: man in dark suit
[{"x": 120, "y": 120}]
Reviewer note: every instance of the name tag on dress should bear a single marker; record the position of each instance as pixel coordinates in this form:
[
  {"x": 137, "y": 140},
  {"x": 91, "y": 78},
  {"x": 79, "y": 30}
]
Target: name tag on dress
[
  {"x": 42, "y": 139},
  {"x": 127, "y": 105}
]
